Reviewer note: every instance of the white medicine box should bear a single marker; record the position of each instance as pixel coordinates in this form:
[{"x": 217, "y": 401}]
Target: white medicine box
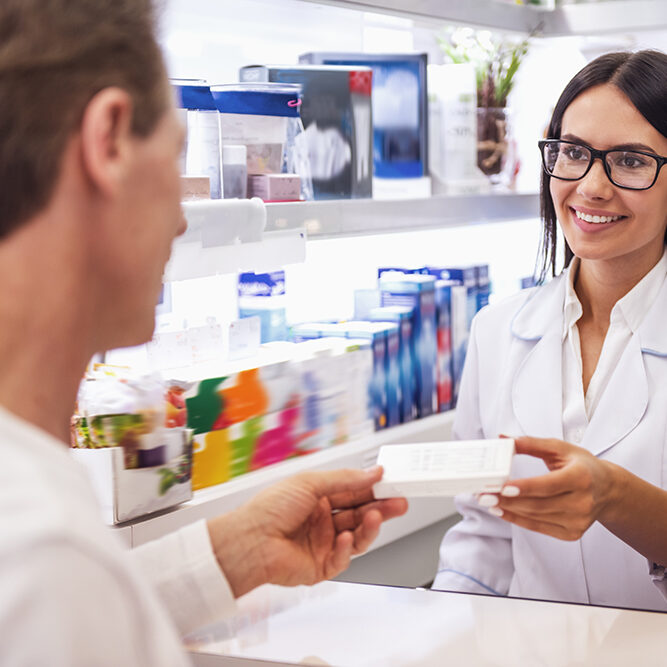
[
  {"x": 444, "y": 468},
  {"x": 128, "y": 493}
]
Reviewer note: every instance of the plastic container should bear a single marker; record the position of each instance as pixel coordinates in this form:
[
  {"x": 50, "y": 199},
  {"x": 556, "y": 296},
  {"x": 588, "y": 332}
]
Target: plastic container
[
  {"x": 201, "y": 155},
  {"x": 264, "y": 117}
]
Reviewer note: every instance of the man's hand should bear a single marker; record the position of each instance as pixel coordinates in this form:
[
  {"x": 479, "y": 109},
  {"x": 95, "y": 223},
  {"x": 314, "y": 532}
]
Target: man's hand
[
  {"x": 301, "y": 530},
  {"x": 562, "y": 503}
]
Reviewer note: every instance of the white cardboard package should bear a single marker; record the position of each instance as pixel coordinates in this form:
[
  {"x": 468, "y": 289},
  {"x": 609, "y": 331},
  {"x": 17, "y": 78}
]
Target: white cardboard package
[{"x": 444, "y": 468}]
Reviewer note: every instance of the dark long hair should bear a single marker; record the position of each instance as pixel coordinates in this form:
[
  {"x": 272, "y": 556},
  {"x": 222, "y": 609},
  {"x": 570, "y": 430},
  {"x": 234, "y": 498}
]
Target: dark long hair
[{"x": 642, "y": 78}]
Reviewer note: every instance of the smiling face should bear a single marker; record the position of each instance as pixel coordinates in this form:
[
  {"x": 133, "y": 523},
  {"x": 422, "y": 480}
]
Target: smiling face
[{"x": 600, "y": 221}]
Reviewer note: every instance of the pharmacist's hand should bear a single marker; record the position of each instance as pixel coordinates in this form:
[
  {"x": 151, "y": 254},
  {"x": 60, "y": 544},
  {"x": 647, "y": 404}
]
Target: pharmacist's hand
[
  {"x": 302, "y": 530},
  {"x": 564, "y": 502}
]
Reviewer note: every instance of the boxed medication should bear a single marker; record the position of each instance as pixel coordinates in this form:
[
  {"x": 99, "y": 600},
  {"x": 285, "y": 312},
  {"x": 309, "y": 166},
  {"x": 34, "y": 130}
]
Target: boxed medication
[
  {"x": 336, "y": 115},
  {"x": 445, "y": 374},
  {"x": 400, "y": 109},
  {"x": 402, "y": 316},
  {"x": 263, "y": 295},
  {"x": 417, "y": 292},
  {"x": 136, "y": 450},
  {"x": 444, "y": 468}
]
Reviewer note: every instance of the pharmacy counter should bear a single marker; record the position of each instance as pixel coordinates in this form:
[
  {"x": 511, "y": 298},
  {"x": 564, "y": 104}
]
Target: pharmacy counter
[{"x": 351, "y": 625}]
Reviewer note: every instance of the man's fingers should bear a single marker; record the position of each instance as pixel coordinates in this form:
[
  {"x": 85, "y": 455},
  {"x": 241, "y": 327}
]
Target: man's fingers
[
  {"x": 349, "y": 519},
  {"x": 367, "y": 531},
  {"x": 347, "y": 485},
  {"x": 339, "y": 558}
]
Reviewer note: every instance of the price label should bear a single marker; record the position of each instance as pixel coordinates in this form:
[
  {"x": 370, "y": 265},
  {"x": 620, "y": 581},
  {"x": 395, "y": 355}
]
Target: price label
[{"x": 244, "y": 337}]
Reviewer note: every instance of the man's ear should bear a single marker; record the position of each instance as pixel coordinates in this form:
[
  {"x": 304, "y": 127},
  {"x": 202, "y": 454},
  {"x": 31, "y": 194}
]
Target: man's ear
[{"x": 106, "y": 133}]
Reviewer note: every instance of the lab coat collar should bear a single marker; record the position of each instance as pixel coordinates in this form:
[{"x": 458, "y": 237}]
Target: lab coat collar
[
  {"x": 537, "y": 397},
  {"x": 542, "y": 310},
  {"x": 537, "y": 388},
  {"x": 652, "y": 332}
]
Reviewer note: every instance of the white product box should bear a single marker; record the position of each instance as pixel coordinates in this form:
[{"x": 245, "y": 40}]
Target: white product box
[
  {"x": 444, "y": 468},
  {"x": 128, "y": 493}
]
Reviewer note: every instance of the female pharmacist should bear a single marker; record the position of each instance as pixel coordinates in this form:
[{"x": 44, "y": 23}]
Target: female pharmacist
[{"x": 580, "y": 362}]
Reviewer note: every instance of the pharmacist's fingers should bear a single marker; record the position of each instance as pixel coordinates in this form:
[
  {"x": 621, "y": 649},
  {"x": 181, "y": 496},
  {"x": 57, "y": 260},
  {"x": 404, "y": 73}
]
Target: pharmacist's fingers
[
  {"x": 561, "y": 526},
  {"x": 388, "y": 509},
  {"x": 555, "y": 483}
]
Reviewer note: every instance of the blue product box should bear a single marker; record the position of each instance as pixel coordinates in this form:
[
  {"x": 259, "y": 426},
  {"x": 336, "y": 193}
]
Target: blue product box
[
  {"x": 460, "y": 335},
  {"x": 445, "y": 370},
  {"x": 466, "y": 275},
  {"x": 263, "y": 295},
  {"x": 418, "y": 292},
  {"x": 483, "y": 285},
  {"x": 398, "y": 269},
  {"x": 377, "y": 336},
  {"x": 402, "y": 316},
  {"x": 400, "y": 109},
  {"x": 336, "y": 115}
]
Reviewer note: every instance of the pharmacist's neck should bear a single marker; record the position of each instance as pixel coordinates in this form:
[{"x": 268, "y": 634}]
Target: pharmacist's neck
[
  {"x": 44, "y": 328},
  {"x": 600, "y": 284}
]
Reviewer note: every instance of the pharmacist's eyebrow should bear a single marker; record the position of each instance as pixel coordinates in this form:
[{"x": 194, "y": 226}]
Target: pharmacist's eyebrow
[{"x": 621, "y": 147}]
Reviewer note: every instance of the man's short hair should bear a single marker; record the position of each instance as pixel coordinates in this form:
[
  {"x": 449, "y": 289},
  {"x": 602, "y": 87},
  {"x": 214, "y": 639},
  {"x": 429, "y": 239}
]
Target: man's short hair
[{"x": 55, "y": 55}]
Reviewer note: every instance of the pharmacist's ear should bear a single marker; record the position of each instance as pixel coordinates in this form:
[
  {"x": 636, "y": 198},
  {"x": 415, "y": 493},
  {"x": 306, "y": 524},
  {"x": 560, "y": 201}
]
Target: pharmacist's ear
[{"x": 106, "y": 139}]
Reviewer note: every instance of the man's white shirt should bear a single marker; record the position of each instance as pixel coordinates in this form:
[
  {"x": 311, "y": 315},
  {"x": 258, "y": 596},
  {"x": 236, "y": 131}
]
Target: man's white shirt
[{"x": 70, "y": 594}]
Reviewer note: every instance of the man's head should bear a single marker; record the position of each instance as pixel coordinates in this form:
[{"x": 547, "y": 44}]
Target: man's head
[{"x": 87, "y": 128}]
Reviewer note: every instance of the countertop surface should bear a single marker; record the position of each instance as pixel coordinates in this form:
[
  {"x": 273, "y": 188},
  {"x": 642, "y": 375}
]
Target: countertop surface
[{"x": 351, "y": 625}]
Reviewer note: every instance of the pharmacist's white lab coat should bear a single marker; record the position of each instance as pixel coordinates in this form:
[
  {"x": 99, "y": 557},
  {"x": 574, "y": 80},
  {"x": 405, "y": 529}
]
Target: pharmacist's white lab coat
[{"x": 512, "y": 384}]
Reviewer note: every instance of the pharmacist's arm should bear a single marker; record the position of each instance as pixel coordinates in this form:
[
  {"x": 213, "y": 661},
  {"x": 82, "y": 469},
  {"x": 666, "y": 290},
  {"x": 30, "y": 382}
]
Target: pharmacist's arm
[
  {"x": 476, "y": 553},
  {"x": 299, "y": 531},
  {"x": 580, "y": 489}
]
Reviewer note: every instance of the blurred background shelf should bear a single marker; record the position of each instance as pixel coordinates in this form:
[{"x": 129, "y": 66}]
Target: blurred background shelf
[
  {"x": 354, "y": 217},
  {"x": 592, "y": 18},
  {"x": 226, "y": 236},
  {"x": 207, "y": 503}
]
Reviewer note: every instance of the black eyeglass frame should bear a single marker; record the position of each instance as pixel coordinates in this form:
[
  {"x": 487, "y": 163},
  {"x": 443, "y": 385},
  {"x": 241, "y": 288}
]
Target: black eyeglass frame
[{"x": 602, "y": 155}]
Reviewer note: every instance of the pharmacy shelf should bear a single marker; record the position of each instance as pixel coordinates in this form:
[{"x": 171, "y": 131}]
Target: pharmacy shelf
[
  {"x": 612, "y": 16},
  {"x": 353, "y": 217},
  {"x": 359, "y": 453},
  {"x": 226, "y": 236}
]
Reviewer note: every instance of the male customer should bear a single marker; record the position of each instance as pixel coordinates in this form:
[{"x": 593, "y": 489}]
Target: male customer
[{"x": 89, "y": 207}]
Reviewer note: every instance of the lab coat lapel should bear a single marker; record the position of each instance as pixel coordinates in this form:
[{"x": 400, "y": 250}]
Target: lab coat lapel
[
  {"x": 622, "y": 404},
  {"x": 626, "y": 398},
  {"x": 537, "y": 398}
]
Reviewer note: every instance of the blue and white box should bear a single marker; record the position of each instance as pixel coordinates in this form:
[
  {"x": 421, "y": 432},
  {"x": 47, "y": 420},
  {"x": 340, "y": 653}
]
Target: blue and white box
[
  {"x": 418, "y": 292},
  {"x": 402, "y": 316},
  {"x": 377, "y": 336},
  {"x": 466, "y": 275},
  {"x": 263, "y": 295},
  {"x": 483, "y": 285},
  {"x": 400, "y": 109}
]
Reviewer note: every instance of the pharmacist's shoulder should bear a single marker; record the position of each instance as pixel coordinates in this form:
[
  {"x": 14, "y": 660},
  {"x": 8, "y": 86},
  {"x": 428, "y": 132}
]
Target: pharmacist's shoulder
[{"x": 523, "y": 314}]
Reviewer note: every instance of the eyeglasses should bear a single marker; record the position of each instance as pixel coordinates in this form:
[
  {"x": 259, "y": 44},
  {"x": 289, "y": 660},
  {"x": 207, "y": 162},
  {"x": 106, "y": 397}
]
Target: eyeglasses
[{"x": 632, "y": 170}]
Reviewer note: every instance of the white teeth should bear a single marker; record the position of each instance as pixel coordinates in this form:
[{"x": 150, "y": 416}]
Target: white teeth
[{"x": 597, "y": 219}]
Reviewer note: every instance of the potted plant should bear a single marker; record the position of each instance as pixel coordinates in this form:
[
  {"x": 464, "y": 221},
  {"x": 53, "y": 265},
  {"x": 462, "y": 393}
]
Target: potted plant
[{"x": 496, "y": 61}]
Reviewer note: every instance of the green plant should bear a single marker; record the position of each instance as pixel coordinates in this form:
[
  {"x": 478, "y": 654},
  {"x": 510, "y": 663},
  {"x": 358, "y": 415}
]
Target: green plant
[{"x": 496, "y": 61}]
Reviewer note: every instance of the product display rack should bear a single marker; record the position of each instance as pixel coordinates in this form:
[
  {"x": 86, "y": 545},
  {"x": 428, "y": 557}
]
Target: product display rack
[{"x": 353, "y": 217}]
